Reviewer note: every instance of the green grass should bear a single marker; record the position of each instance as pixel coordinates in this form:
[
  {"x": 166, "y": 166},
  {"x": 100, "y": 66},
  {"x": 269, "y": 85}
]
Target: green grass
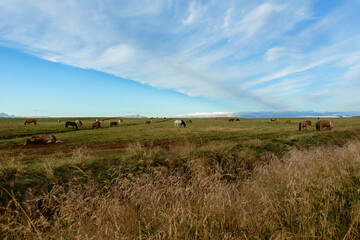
[
  {"x": 23, "y": 167},
  {"x": 228, "y": 154}
]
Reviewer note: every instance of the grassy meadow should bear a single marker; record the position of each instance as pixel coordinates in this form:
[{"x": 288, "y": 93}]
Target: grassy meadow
[{"x": 214, "y": 179}]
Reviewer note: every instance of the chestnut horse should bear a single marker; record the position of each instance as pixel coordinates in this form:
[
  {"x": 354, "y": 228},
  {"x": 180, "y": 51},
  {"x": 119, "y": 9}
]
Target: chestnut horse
[
  {"x": 73, "y": 124},
  {"x": 303, "y": 125},
  {"x": 47, "y": 139},
  {"x": 287, "y": 121},
  {"x": 231, "y": 119},
  {"x": 95, "y": 124},
  {"x": 30, "y": 121},
  {"x": 147, "y": 122},
  {"x": 324, "y": 124},
  {"x": 188, "y": 121},
  {"x": 115, "y": 124}
]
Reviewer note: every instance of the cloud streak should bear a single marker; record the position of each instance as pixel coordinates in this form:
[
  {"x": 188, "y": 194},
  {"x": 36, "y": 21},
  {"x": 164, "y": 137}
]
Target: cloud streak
[{"x": 264, "y": 56}]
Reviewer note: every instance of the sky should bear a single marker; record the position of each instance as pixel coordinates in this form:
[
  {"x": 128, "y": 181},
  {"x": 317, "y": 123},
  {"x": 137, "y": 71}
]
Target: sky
[{"x": 174, "y": 57}]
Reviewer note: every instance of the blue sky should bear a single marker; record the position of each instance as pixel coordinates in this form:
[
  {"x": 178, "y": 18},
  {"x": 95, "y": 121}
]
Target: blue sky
[{"x": 166, "y": 58}]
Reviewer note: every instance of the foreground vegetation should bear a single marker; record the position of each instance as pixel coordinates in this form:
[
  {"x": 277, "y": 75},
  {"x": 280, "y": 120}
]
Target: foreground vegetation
[{"x": 210, "y": 180}]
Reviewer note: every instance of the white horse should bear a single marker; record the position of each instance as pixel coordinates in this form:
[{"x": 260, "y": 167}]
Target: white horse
[
  {"x": 78, "y": 122},
  {"x": 179, "y": 122}
]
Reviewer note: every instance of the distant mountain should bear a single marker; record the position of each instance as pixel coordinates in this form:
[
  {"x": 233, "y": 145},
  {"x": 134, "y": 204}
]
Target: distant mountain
[
  {"x": 5, "y": 115},
  {"x": 134, "y": 116},
  {"x": 271, "y": 114},
  {"x": 294, "y": 114}
]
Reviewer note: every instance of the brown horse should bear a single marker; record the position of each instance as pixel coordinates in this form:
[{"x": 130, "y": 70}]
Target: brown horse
[
  {"x": 147, "y": 122},
  {"x": 324, "y": 124},
  {"x": 96, "y": 125},
  {"x": 303, "y": 125},
  {"x": 273, "y": 119},
  {"x": 47, "y": 139},
  {"x": 188, "y": 121},
  {"x": 231, "y": 119},
  {"x": 30, "y": 121},
  {"x": 237, "y": 120},
  {"x": 115, "y": 124},
  {"x": 287, "y": 121}
]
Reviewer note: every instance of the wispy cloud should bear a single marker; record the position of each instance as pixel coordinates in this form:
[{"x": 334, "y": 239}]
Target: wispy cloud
[
  {"x": 255, "y": 55},
  {"x": 195, "y": 11}
]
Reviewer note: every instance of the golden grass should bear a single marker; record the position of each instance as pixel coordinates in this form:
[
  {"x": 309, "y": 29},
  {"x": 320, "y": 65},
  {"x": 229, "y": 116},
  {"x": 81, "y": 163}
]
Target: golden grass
[{"x": 305, "y": 194}]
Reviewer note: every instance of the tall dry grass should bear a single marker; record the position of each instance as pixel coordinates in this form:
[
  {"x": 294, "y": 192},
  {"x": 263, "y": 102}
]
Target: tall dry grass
[{"x": 305, "y": 194}]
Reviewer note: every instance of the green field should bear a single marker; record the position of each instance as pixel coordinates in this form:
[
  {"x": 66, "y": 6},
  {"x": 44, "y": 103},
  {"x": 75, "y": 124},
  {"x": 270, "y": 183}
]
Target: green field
[{"x": 210, "y": 158}]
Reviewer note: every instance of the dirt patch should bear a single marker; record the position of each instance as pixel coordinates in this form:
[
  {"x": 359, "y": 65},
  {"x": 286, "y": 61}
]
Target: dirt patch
[{"x": 58, "y": 148}]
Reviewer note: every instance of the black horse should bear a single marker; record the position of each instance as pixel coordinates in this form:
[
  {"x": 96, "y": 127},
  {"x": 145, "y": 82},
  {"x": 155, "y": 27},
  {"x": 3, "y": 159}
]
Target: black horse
[
  {"x": 73, "y": 124},
  {"x": 182, "y": 123}
]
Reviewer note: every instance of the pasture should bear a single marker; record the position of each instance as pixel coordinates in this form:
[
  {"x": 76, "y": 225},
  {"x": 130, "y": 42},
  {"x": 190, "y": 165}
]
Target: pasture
[{"x": 194, "y": 178}]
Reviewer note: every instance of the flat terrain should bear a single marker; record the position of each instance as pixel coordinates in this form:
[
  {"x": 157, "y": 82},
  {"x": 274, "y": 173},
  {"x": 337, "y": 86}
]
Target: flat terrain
[
  {"x": 13, "y": 133},
  {"x": 110, "y": 145},
  {"x": 232, "y": 153}
]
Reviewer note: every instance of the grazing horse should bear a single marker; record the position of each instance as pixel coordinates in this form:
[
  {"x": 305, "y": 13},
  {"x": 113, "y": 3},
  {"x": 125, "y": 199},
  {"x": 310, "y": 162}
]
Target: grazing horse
[
  {"x": 59, "y": 121},
  {"x": 237, "y": 120},
  {"x": 30, "y": 121},
  {"x": 147, "y": 122},
  {"x": 95, "y": 124},
  {"x": 73, "y": 124},
  {"x": 303, "y": 125},
  {"x": 115, "y": 124},
  {"x": 120, "y": 121},
  {"x": 273, "y": 119},
  {"x": 47, "y": 139},
  {"x": 178, "y": 123},
  {"x": 324, "y": 124},
  {"x": 188, "y": 121},
  {"x": 78, "y": 122},
  {"x": 287, "y": 121},
  {"x": 231, "y": 119}
]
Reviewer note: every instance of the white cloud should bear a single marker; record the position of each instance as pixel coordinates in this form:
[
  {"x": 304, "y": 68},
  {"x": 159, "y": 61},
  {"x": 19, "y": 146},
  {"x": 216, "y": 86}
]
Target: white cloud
[
  {"x": 234, "y": 51},
  {"x": 195, "y": 11},
  {"x": 114, "y": 56},
  {"x": 279, "y": 53}
]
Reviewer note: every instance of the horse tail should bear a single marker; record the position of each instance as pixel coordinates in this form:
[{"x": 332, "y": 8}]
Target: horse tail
[
  {"x": 34, "y": 122},
  {"x": 25, "y": 122},
  {"x": 299, "y": 126}
]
